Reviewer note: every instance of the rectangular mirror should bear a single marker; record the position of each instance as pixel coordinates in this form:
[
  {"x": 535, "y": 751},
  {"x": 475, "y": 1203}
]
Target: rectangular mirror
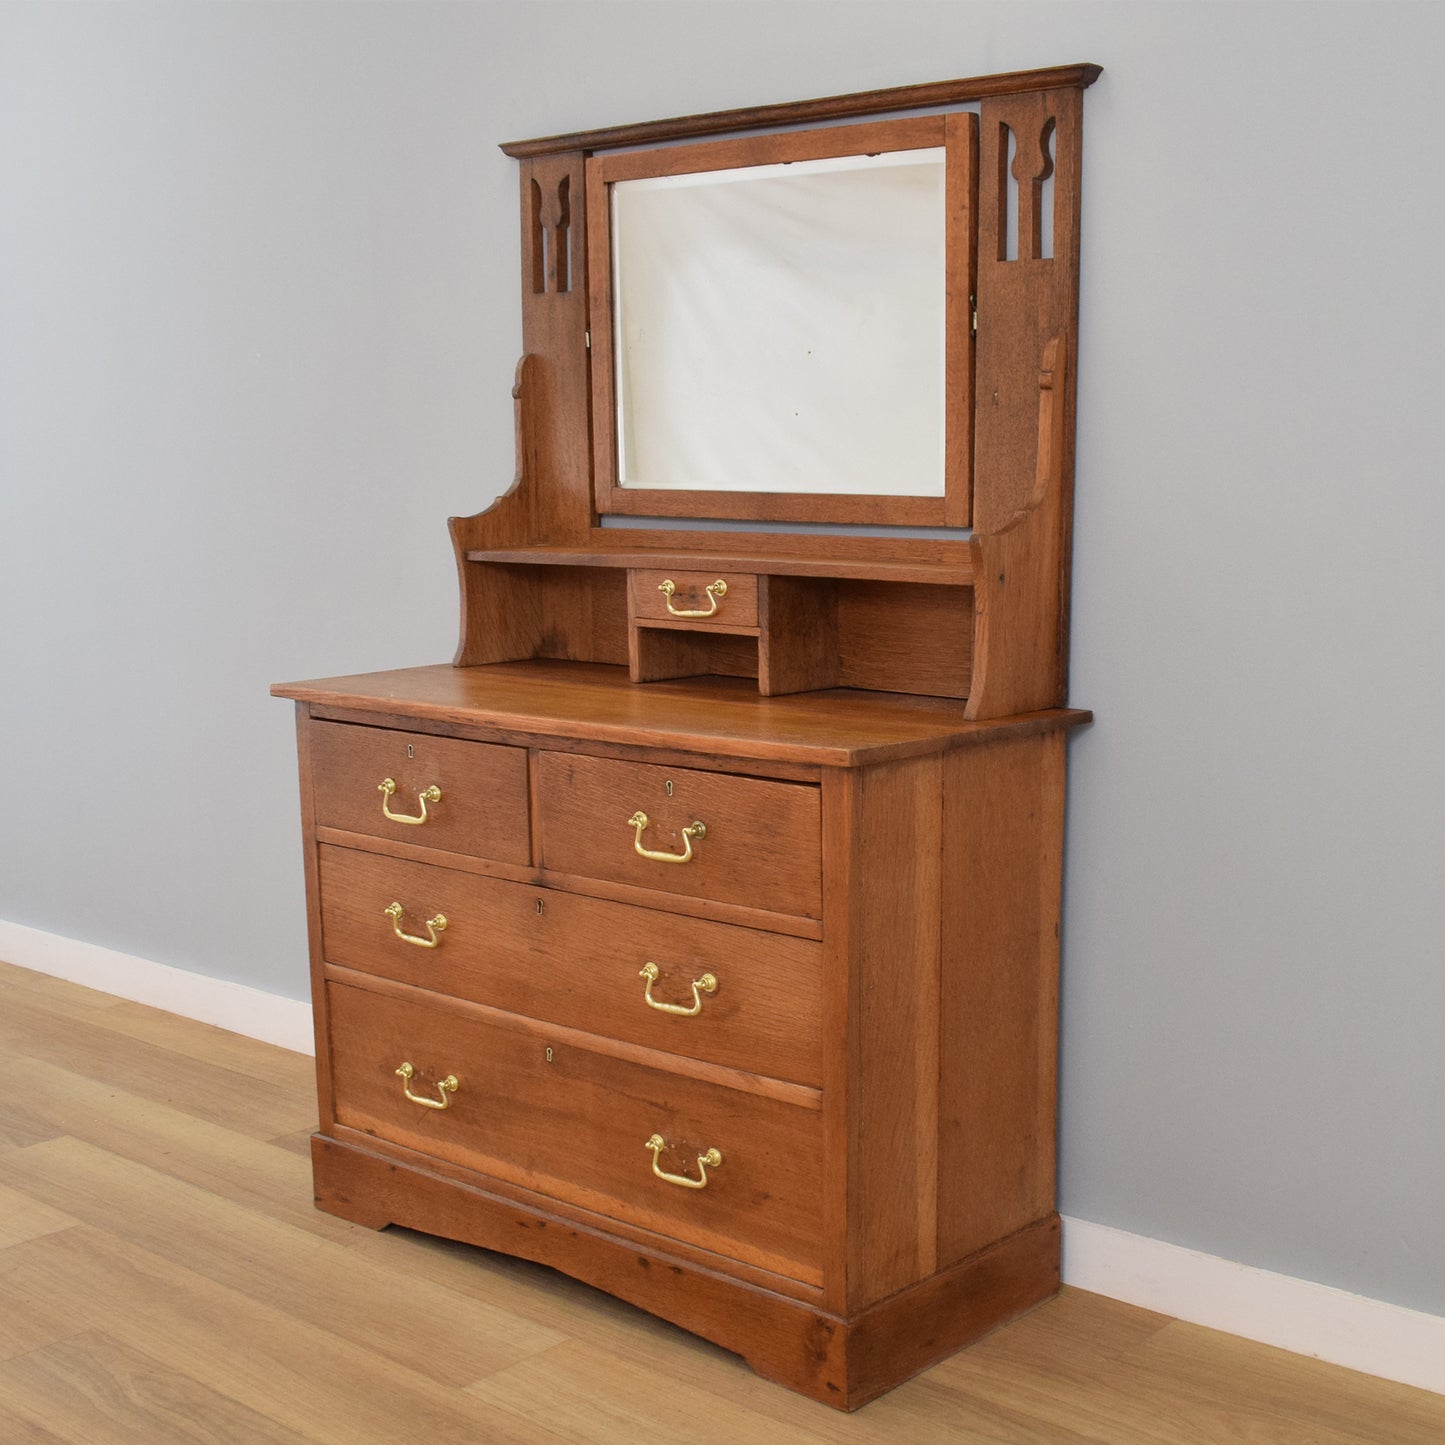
[
  {"x": 781, "y": 328},
  {"x": 778, "y": 340}
]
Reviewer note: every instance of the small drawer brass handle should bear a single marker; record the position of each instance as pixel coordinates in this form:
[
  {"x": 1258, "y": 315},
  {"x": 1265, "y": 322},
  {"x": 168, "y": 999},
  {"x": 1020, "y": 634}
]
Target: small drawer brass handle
[
  {"x": 706, "y": 984},
  {"x": 707, "y": 1161},
  {"x": 445, "y": 1087},
  {"x": 387, "y": 786},
  {"x": 714, "y": 590},
  {"x": 433, "y": 927},
  {"x": 693, "y": 830}
]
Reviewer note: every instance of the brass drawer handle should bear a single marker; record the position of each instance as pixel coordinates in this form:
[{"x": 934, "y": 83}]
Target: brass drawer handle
[
  {"x": 714, "y": 591},
  {"x": 706, "y": 984},
  {"x": 707, "y": 1161},
  {"x": 387, "y": 786},
  {"x": 433, "y": 927},
  {"x": 446, "y": 1087},
  {"x": 693, "y": 830}
]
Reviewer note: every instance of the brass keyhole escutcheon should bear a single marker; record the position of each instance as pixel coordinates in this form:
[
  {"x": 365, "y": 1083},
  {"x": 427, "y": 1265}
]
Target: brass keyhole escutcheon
[{"x": 549, "y": 1055}]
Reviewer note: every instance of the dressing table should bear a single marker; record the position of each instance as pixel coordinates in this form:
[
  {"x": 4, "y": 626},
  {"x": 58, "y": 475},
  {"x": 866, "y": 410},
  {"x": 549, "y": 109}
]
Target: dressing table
[{"x": 695, "y": 931}]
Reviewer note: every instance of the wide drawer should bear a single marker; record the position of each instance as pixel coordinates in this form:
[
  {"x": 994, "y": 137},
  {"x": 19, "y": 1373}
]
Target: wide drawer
[
  {"x": 482, "y": 804},
  {"x": 734, "y": 996},
  {"x": 579, "y": 1126},
  {"x": 636, "y": 823}
]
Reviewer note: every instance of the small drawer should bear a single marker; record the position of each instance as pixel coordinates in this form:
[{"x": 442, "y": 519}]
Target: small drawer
[
  {"x": 758, "y": 844},
  {"x": 445, "y": 793},
  {"x": 707, "y": 599},
  {"x": 733, "y": 996},
  {"x": 525, "y": 1106}
]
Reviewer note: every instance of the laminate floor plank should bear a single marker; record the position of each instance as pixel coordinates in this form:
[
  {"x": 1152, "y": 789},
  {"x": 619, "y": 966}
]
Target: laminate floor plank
[
  {"x": 31, "y": 1317},
  {"x": 58, "y": 995},
  {"x": 453, "y": 1339},
  {"x": 92, "y": 1390},
  {"x": 297, "y": 1375},
  {"x": 1267, "y": 1383},
  {"x": 248, "y": 1105},
  {"x": 23, "y": 1217},
  {"x": 165, "y": 1277}
]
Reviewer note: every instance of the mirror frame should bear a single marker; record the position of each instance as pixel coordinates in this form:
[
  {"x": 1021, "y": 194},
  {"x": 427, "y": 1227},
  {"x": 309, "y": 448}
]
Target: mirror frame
[{"x": 957, "y": 134}]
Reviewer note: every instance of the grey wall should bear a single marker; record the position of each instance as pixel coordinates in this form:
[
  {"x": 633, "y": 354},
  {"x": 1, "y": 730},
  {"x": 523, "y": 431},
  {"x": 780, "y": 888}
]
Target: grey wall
[{"x": 258, "y": 321}]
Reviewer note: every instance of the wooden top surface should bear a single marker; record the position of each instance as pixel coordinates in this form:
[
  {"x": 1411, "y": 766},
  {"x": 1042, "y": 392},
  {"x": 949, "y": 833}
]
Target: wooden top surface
[{"x": 714, "y": 716}]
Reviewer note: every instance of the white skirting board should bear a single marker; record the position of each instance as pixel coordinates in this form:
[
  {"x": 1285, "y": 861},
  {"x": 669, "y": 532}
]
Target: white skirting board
[
  {"x": 233, "y": 1006},
  {"x": 1275, "y": 1309}
]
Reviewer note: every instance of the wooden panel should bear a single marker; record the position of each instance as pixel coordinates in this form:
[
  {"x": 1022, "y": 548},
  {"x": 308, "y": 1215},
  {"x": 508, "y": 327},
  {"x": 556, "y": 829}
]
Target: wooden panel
[
  {"x": 578, "y": 961},
  {"x": 798, "y": 647},
  {"x": 576, "y": 1125},
  {"x": 885, "y": 904},
  {"x": 1002, "y": 845},
  {"x": 905, "y": 638},
  {"x": 761, "y": 847},
  {"x": 660, "y": 652},
  {"x": 483, "y": 806},
  {"x": 737, "y": 606},
  {"x": 1024, "y": 302}
]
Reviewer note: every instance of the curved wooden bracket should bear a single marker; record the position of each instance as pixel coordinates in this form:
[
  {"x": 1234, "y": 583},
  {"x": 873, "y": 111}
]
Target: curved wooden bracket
[{"x": 1018, "y": 650}]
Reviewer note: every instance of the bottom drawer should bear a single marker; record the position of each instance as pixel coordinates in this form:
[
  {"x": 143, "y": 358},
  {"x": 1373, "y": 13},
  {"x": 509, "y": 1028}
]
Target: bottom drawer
[{"x": 579, "y": 1126}]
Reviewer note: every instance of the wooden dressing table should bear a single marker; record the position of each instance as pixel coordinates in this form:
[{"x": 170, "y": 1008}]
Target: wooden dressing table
[{"x": 695, "y": 932}]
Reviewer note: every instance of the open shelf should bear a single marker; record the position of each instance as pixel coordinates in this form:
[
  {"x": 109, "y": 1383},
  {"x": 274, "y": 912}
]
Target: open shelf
[{"x": 951, "y": 573}]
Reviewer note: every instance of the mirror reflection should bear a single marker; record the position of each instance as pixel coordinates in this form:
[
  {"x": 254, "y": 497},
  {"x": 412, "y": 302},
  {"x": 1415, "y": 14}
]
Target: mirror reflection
[{"x": 780, "y": 328}]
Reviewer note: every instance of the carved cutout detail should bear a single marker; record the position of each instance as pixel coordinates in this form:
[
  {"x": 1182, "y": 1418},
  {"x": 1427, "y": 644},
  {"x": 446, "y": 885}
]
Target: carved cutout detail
[
  {"x": 1008, "y": 196},
  {"x": 1033, "y": 164},
  {"x": 552, "y": 237}
]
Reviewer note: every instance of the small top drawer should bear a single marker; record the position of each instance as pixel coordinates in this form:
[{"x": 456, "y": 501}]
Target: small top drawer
[
  {"x": 717, "y": 598},
  {"x": 740, "y": 840},
  {"x": 436, "y": 792}
]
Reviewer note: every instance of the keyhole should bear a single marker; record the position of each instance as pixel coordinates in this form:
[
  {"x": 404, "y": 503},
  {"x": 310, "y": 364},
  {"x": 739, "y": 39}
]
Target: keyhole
[
  {"x": 540, "y": 906},
  {"x": 668, "y": 786},
  {"x": 549, "y": 1056},
  {"x": 410, "y": 751}
]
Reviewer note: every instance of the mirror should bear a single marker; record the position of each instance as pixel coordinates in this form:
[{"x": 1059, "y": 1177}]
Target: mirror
[
  {"x": 780, "y": 325},
  {"x": 780, "y": 328}
]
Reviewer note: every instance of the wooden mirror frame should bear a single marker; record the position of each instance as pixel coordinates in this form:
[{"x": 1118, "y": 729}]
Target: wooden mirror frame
[{"x": 957, "y": 136}]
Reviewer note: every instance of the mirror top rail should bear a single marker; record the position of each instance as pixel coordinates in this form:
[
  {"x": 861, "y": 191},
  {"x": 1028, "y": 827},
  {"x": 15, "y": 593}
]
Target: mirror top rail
[{"x": 804, "y": 112}]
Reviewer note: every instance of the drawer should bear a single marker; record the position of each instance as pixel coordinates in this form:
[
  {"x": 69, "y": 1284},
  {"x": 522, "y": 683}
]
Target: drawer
[
  {"x": 580, "y": 961},
  {"x": 735, "y": 604},
  {"x": 577, "y": 1127},
  {"x": 760, "y": 846},
  {"x": 482, "y": 808}
]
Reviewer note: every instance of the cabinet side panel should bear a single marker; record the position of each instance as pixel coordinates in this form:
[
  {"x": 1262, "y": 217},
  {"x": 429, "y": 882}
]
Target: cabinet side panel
[
  {"x": 1002, "y": 846},
  {"x": 893, "y": 940},
  {"x": 305, "y": 770}
]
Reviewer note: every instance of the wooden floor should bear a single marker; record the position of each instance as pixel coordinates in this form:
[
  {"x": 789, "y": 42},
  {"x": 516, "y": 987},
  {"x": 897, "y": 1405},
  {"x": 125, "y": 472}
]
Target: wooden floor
[{"x": 164, "y": 1278}]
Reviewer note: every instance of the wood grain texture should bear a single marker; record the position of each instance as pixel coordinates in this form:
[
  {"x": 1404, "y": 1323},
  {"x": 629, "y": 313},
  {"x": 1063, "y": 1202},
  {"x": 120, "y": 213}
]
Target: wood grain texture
[
  {"x": 998, "y": 1017},
  {"x": 575, "y": 1126},
  {"x": 101, "y": 1332},
  {"x": 760, "y": 849},
  {"x": 883, "y": 928},
  {"x": 710, "y": 716},
  {"x": 516, "y": 947},
  {"x": 483, "y": 805},
  {"x": 1020, "y": 646},
  {"x": 803, "y": 112}
]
